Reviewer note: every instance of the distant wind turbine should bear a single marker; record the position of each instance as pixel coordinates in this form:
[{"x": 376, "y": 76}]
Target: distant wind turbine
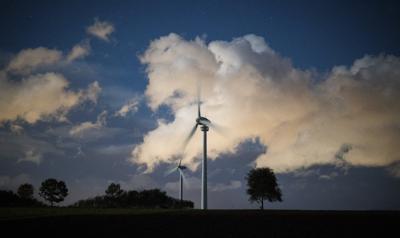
[{"x": 182, "y": 178}]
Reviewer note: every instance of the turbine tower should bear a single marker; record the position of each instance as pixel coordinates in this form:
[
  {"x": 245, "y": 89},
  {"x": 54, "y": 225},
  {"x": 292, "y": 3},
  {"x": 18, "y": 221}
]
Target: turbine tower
[{"x": 204, "y": 124}]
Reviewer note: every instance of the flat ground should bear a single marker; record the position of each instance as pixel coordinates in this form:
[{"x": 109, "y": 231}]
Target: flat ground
[{"x": 56, "y": 222}]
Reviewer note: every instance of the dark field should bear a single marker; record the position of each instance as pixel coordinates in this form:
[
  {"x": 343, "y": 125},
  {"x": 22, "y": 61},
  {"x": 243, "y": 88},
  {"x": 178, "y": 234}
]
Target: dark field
[{"x": 194, "y": 223}]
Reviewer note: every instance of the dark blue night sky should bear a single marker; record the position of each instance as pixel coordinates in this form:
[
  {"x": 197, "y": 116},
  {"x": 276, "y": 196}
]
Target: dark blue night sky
[{"x": 313, "y": 36}]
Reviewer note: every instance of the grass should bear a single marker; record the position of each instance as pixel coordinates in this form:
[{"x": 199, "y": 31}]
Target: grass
[
  {"x": 24, "y": 213},
  {"x": 197, "y": 223}
]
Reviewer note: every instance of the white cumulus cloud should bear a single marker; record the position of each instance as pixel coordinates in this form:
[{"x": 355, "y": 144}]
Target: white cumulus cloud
[
  {"x": 131, "y": 106},
  {"x": 32, "y": 156},
  {"x": 38, "y": 97},
  {"x": 93, "y": 91},
  {"x": 79, "y": 51},
  {"x": 101, "y": 29},
  {"x": 29, "y": 59},
  {"x": 252, "y": 91},
  {"x": 84, "y": 127}
]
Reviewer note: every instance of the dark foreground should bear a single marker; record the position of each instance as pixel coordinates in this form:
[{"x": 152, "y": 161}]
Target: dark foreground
[{"x": 194, "y": 223}]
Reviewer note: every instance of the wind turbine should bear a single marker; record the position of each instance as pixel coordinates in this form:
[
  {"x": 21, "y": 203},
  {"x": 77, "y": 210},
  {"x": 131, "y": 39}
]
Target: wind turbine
[
  {"x": 204, "y": 124},
  {"x": 180, "y": 169}
]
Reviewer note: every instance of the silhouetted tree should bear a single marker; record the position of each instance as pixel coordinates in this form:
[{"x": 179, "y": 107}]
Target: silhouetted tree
[
  {"x": 114, "y": 190},
  {"x": 262, "y": 185},
  {"x": 25, "y": 191},
  {"x": 53, "y": 190}
]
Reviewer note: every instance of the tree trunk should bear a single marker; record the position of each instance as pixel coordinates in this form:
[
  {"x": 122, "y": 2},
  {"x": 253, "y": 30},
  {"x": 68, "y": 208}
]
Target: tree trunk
[{"x": 262, "y": 204}]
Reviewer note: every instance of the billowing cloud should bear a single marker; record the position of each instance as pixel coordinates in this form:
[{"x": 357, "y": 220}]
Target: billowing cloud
[
  {"x": 84, "y": 127},
  {"x": 350, "y": 115},
  {"x": 38, "y": 97},
  {"x": 32, "y": 156},
  {"x": 16, "y": 129},
  {"x": 131, "y": 106},
  {"x": 93, "y": 91},
  {"x": 79, "y": 51},
  {"x": 101, "y": 29},
  {"x": 29, "y": 59},
  {"x": 33, "y": 96}
]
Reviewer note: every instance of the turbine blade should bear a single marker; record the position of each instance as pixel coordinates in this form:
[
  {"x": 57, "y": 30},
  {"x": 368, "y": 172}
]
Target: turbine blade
[
  {"x": 198, "y": 109},
  {"x": 219, "y": 129},
  {"x": 198, "y": 98},
  {"x": 189, "y": 136},
  {"x": 170, "y": 171}
]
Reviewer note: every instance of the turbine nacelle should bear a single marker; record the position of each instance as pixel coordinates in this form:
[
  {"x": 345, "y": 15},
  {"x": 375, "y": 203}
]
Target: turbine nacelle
[
  {"x": 181, "y": 167},
  {"x": 203, "y": 121}
]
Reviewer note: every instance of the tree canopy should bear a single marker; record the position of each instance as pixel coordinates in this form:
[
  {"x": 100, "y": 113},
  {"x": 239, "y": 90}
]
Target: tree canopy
[
  {"x": 25, "y": 191},
  {"x": 53, "y": 191},
  {"x": 114, "y": 190},
  {"x": 262, "y": 185}
]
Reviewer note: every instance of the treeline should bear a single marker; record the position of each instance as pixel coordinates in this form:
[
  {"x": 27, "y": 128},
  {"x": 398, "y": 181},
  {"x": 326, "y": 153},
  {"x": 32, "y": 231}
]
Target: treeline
[
  {"x": 115, "y": 197},
  {"x": 51, "y": 190},
  {"x": 54, "y": 191},
  {"x": 23, "y": 198}
]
